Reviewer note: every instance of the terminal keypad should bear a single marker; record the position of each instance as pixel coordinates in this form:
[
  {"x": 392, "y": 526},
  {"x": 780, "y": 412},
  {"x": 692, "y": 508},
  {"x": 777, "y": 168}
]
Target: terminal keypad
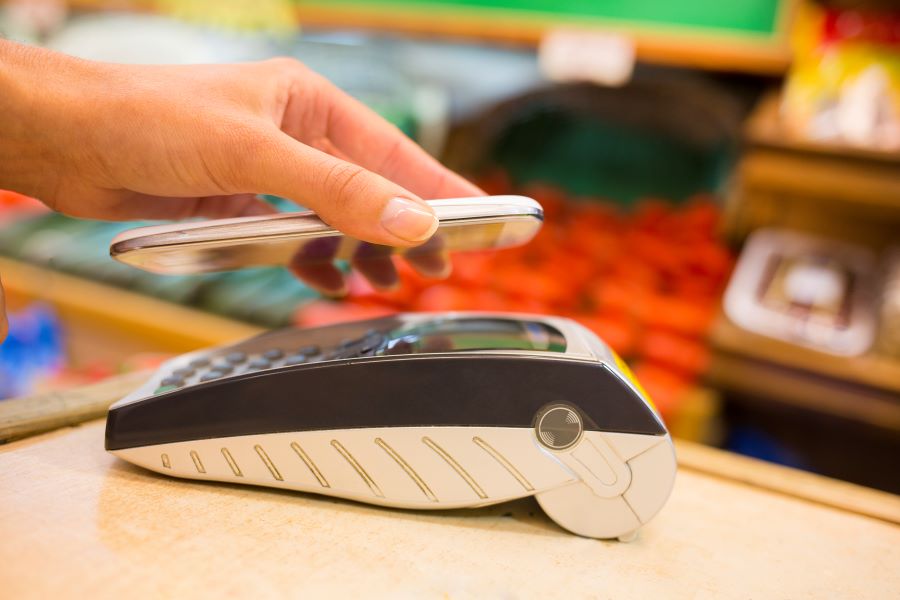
[{"x": 205, "y": 369}]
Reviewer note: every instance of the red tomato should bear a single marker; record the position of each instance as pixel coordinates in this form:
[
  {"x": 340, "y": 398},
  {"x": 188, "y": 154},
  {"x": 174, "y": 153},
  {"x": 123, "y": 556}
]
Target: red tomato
[
  {"x": 596, "y": 211},
  {"x": 683, "y": 354},
  {"x": 530, "y": 283},
  {"x": 488, "y": 301},
  {"x": 527, "y": 305},
  {"x": 651, "y": 214},
  {"x": 665, "y": 387},
  {"x": 618, "y": 332},
  {"x": 696, "y": 289},
  {"x": 550, "y": 197},
  {"x": 618, "y": 295},
  {"x": 495, "y": 183},
  {"x": 472, "y": 269},
  {"x": 603, "y": 248},
  {"x": 442, "y": 297},
  {"x": 326, "y": 312},
  {"x": 676, "y": 314},
  {"x": 572, "y": 269},
  {"x": 635, "y": 273},
  {"x": 710, "y": 259},
  {"x": 653, "y": 249},
  {"x": 701, "y": 214}
]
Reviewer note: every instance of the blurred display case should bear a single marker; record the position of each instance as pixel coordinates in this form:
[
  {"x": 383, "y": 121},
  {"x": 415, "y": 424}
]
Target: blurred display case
[
  {"x": 745, "y": 36},
  {"x": 841, "y": 194}
]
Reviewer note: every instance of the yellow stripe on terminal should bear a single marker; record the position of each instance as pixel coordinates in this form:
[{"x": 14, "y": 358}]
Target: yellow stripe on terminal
[{"x": 626, "y": 371}]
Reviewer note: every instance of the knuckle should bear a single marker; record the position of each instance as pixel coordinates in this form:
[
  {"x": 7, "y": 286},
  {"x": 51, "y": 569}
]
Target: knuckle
[
  {"x": 439, "y": 183},
  {"x": 392, "y": 156},
  {"x": 341, "y": 181},
  {"x": 287, "y": 65},
  {"x": 251, "y": 142},
  {"x": 244, "y": 146}
]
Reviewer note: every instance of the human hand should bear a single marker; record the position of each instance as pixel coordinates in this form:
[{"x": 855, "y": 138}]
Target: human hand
[{"x": 121, "y": 142}]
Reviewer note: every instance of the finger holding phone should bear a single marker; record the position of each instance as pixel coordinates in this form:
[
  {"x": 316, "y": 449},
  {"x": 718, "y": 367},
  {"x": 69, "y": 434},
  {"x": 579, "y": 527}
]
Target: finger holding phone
[{"x": 120, "y": 142}]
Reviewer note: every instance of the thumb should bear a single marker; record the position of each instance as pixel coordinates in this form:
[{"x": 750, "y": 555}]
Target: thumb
[{"x": 356, "y": 201}]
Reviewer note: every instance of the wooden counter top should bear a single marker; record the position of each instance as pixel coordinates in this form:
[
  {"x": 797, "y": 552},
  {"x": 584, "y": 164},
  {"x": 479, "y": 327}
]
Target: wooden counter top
[{"x": 77, "y": 522}]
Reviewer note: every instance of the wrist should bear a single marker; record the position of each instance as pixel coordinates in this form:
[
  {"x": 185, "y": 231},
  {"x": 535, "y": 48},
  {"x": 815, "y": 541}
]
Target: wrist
[{"x": 38, "y": 115}]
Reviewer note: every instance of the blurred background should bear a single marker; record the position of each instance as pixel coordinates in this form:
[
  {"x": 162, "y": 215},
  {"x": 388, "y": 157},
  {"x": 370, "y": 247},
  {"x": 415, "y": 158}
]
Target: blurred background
[{"x": 721, "y": 183}]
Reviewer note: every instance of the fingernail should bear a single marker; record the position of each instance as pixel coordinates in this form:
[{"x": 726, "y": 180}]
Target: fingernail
[{"x": 409, "y": 220}]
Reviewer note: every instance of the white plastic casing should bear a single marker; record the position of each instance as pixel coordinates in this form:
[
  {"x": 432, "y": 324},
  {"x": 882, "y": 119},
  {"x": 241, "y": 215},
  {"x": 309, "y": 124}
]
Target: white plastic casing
[{"x": 606, "y": 485}]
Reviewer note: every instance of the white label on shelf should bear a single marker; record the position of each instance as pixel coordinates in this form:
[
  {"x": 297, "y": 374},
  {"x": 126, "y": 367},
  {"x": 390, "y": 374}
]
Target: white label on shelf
[{"x": 595, "y": 56}]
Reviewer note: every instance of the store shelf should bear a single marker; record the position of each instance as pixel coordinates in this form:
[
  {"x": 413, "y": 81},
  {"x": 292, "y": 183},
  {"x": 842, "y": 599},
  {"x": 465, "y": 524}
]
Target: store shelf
[
  {"x": 684, "y": 47},
  {"x": 836, "y": 191},
  {"x": 709, "y": 47},
  {"x": 765, "y": 128},
  {"x": 777, "y": 163},
  {"x": 711, "y": 53},
  {"x": 158, "y": 323},
  {"x": 865, "y": 389},
  {"x": 866, "y": 184}
]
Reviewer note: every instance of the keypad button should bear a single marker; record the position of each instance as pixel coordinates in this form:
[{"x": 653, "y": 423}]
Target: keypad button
[
  {"x": 297, "y": 359},
  {"x": 260, "y": 363},
  {"x": 214, "y": 374},
  {"x": 309, "y": 350},
  {"x": 199, "y": 363},
  {"x": 164, "y": 388},
  {"x": 273, "y": 354},
  {"x": 236, "y": 358},
  {"x": 172, "y": 381},
  {"x": 371, "y": 342},
  {"x": 183, "y": 372},
  {"x": 223, "y": 368}
]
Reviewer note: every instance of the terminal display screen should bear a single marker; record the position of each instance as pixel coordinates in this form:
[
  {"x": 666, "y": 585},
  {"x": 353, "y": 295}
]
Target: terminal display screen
[{"x": 452, "y": 335}]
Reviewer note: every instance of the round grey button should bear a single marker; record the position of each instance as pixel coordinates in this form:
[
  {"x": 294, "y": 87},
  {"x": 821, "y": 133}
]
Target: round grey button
[
  {"x": 236, "y": 358},
  {"x": 559, "y": 427},
  {"x": 260, "y": 363},
  {"x": 173, "y": 381}
]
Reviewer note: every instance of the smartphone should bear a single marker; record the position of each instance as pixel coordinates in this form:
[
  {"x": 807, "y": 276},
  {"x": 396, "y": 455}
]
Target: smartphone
[{"x": 481, "y": 223}]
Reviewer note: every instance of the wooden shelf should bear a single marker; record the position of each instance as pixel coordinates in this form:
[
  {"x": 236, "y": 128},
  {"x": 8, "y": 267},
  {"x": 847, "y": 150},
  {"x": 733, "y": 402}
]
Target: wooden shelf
[
  {"x": 765, "y": 128},
  {"x": 864, "y": 388},
  {"x": 775, "y": 163},
  {"x": 835, "y": 191}
]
